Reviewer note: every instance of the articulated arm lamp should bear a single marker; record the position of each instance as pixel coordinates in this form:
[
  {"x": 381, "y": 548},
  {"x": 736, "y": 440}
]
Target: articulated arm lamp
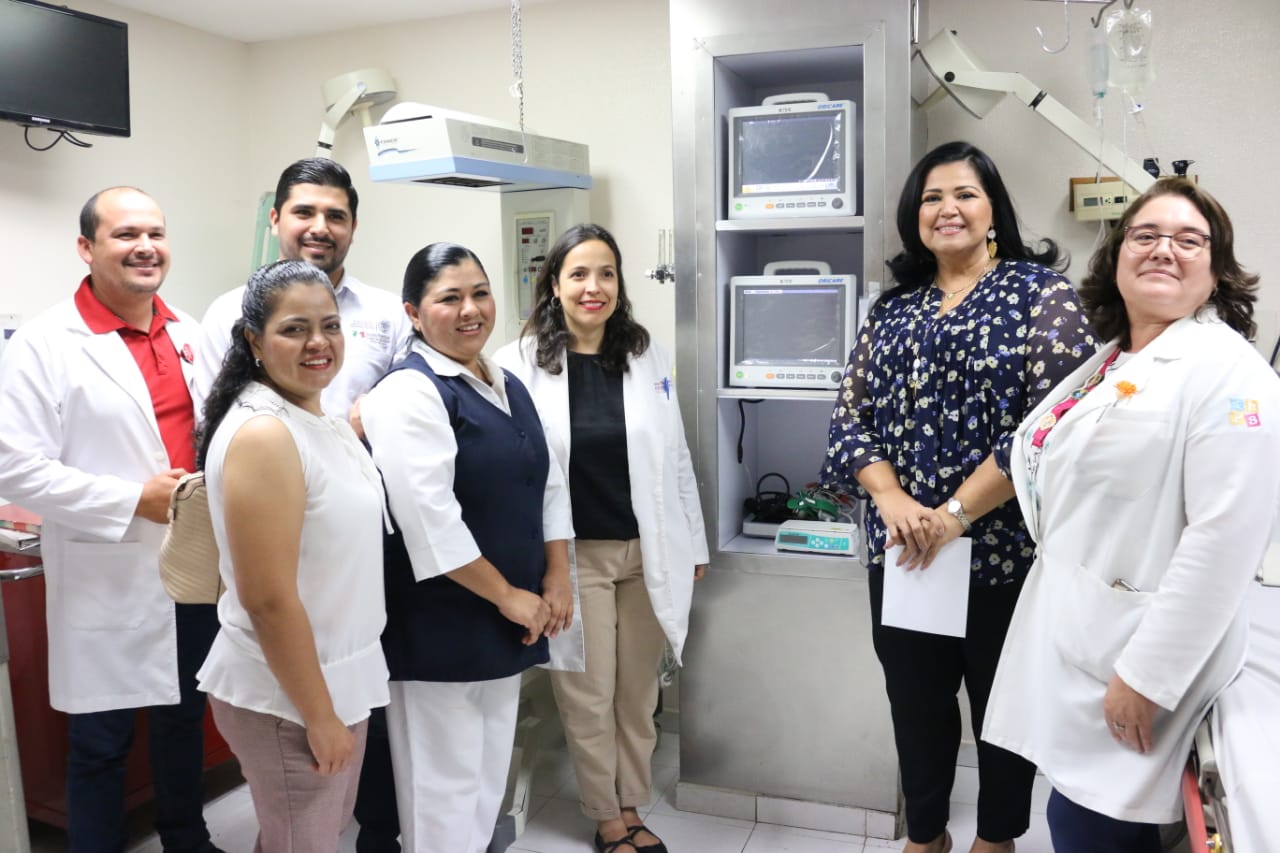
[
  {"x": 355, "y": 91},
  {"x": 978, "y": 90}
]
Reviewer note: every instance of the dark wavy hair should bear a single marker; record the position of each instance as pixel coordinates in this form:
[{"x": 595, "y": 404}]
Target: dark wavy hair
[
  {"x": 623, "y": 336},
  {"x": 261, "y": 294},
  {"x": 915, "y": 266},
  {"x": 320, "y": 171},
  {"x": 1233, "y": 296},
  {"x": 426, "y": 264}
]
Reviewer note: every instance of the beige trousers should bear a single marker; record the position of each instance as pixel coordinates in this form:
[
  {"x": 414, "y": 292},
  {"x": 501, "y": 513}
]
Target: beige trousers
[
  {"x": 607, "y": 711},
  {"x": 299, "y": 811}
]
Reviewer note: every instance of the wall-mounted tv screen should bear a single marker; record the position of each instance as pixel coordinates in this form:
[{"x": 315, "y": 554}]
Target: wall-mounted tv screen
[{"x": 63, "y": 69}]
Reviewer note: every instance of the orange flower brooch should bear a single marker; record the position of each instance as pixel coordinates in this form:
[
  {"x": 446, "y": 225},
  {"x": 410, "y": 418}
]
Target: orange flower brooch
[{"x": 1125, "y": 390}]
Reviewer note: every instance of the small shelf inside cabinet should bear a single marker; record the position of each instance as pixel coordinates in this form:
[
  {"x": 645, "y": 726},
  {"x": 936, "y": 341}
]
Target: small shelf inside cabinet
[
  {"x": 800, "y": 224},
  {"x": 759, "y": 545},
  {"x": 776, "y": 394}
]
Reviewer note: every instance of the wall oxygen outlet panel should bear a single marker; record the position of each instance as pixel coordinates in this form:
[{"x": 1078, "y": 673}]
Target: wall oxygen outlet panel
[{"x": 1097, "y": 200}]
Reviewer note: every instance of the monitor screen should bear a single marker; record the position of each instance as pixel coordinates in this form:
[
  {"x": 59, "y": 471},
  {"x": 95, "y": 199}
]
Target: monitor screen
[
  {"x": 800, "y": 326},
  {"x": 63, "y": 69},
  {"x": 790, "y": 153}
]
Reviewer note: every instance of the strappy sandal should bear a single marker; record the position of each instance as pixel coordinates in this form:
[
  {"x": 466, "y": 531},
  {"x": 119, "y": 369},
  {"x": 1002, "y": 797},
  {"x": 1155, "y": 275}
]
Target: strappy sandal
[
  {"x": 656, "y": 847},
  {"x": 603, "y": 846}
]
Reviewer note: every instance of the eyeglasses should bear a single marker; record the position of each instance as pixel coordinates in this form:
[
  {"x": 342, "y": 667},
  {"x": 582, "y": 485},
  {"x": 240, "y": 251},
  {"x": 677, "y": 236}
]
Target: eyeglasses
[{"x": 1185, "y": 244}]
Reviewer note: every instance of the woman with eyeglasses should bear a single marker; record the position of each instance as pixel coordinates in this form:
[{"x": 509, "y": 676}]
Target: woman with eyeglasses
[{"x": 1149, "y": 479}]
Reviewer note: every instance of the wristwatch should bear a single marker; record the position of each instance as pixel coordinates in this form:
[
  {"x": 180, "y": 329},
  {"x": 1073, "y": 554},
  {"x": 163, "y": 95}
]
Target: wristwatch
[{"x": 957, "y": 509}]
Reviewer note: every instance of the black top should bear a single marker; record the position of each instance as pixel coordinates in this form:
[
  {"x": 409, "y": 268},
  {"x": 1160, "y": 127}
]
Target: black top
[{"x": 599, "y": 477}]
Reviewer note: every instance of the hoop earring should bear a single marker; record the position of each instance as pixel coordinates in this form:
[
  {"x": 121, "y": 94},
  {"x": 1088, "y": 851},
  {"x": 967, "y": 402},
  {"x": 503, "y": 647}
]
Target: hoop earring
[
  {"x": 992, "y": 246},
  {"x": 257, "y": 362},
  {"x": 555, "y": 301}
]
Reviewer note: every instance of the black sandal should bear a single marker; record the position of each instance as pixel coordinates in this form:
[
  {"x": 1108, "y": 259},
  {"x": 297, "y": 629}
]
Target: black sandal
[
  {"x": 656, "y": 847},
  {"x": 613, "y": 846}
]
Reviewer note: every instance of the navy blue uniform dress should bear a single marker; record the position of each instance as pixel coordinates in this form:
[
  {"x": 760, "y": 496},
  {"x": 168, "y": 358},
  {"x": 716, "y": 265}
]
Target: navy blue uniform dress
[{"x": 437, "y": 629}]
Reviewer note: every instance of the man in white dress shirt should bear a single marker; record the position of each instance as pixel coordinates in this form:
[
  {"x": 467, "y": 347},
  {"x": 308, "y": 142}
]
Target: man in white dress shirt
[{"x": 314, "y": 217}]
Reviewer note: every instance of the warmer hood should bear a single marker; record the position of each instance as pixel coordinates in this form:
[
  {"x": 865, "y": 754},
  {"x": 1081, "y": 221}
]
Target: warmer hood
[{"x": 421, "y": 144}]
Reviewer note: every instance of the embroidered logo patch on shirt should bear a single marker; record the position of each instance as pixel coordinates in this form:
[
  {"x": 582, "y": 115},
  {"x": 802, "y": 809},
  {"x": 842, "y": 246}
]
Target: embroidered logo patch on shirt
[
  {"x": 663, "y": 386},
  {"x": 1244, "y": 412},
  {"x": 377, "y": 332}
]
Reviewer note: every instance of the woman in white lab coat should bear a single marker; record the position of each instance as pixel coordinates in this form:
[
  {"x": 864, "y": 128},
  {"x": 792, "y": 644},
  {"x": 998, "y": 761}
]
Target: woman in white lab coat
[
  {"x": 1150, "y": 479},
  {"x": 606, "y": 396}
]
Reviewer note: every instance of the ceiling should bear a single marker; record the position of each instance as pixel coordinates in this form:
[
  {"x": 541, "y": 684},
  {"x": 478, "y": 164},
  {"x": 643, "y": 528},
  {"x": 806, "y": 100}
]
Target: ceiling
[{"x": 255, "y": 20}]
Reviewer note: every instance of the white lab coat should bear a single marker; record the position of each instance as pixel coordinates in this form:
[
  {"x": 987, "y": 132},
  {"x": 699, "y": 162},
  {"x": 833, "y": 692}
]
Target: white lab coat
[
  {"x": 1172, "y": 490},
  {"x": 78, "y": 437},
  {"x": 664, "y": 491}
]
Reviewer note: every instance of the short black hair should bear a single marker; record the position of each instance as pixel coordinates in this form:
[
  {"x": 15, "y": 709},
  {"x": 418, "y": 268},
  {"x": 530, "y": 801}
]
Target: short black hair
[
  {"x": 89, "y": 218},
  {"x": 320, "y": 171},
  {"x": 426, "y": 265}
]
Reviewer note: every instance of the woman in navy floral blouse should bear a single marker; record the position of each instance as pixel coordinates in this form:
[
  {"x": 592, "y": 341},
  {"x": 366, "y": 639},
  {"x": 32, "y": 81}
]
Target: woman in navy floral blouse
[{"x": 977, "y": 330}]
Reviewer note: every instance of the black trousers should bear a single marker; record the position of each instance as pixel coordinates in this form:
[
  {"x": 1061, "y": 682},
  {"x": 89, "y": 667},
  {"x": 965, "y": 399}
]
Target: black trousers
[
  {"x": 99, "y": 743},
  {"x": 376, "y": 810},
  {"x": 922, "y": 674}
]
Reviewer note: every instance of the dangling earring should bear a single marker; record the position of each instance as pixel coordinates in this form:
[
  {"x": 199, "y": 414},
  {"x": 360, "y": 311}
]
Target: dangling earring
[{"x": 992, "y": 246}]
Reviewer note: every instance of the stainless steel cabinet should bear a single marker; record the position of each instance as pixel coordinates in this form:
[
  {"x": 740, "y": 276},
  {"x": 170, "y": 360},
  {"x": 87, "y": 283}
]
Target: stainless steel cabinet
[{"x": 783, "y": 715}]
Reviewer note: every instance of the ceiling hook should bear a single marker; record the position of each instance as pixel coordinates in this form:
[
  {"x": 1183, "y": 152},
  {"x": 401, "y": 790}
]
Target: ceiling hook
[
  {"x": 1097, "y": 22},
  {"x": 1066, "y": 19}
]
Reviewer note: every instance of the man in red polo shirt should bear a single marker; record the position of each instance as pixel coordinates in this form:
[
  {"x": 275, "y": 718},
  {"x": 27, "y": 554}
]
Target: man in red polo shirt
[{"x": 97, "y": 415}]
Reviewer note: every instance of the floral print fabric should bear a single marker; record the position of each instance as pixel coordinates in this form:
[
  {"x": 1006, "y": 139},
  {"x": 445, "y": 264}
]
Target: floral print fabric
[{"x": 934, "y": 396}]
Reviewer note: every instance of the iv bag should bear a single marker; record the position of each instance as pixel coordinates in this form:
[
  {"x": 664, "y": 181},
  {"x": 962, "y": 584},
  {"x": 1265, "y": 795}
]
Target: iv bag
[{"x": 1129, "y": 37}]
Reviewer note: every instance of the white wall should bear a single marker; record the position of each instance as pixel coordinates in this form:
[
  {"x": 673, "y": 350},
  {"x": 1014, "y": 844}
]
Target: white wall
[
  {"x": 187, "y": 150},
  {"x": 215, "y": 121},
  {"x": 1215, "y": 100},
  {"x": 596, "y": 72}
]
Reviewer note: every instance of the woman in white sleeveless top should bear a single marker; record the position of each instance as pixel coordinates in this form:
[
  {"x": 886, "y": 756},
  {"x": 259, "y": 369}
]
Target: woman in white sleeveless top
[{"x": 297, "y": 508}]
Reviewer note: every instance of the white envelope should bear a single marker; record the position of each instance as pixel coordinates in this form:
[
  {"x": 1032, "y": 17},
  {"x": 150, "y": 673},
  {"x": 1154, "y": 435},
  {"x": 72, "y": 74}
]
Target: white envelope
[{"x": 933, "y": 600}]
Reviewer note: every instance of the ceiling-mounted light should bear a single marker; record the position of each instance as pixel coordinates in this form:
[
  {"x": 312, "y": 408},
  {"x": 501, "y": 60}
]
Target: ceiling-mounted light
[{"x": 354, "y": 91}]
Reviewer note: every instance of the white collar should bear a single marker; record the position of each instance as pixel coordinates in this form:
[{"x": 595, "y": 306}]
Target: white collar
[
  {"x": 445, "y": 366},
  {"x": 348, "y": 287}
]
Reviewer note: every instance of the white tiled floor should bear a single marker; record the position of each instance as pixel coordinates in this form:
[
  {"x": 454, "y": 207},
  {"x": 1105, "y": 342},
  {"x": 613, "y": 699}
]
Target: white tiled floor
[{"x": 558, "y": 826}]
